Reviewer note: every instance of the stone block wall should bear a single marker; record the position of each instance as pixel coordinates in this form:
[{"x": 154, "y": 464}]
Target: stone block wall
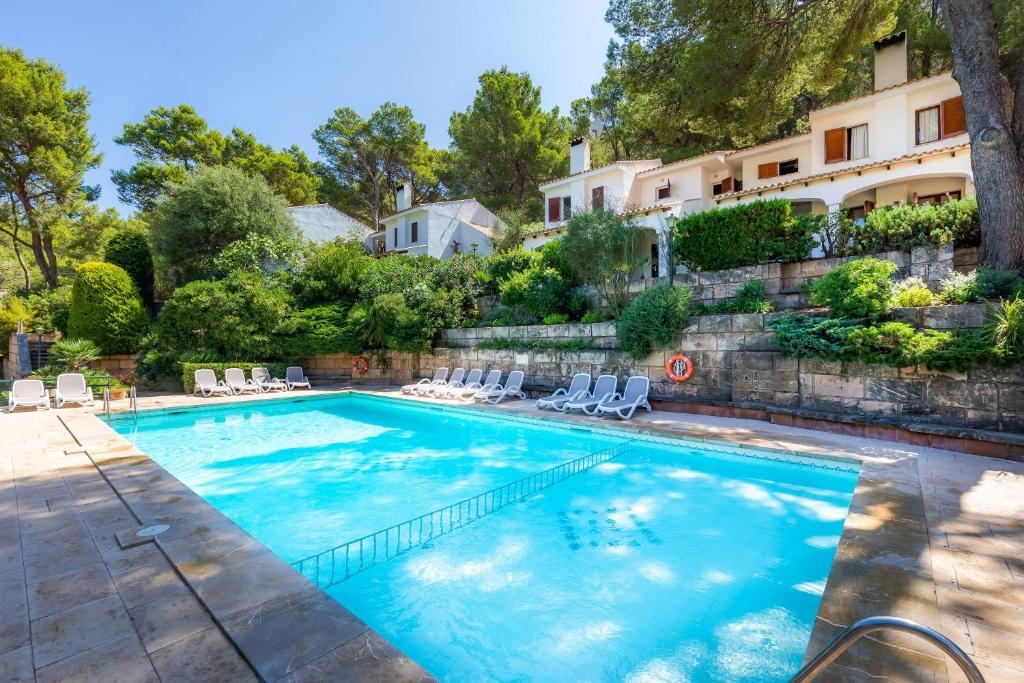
[
  {"x": 118, "y": 365},
  {"x": 598, "y": 335}
]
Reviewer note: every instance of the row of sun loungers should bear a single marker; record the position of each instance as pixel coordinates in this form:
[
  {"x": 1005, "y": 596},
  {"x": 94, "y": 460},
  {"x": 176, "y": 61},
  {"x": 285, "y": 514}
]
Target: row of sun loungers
[
  {"x": 235, "y": 382},
  {"x": 31, "y": 393},
  {"x": 603, "y": 399}
]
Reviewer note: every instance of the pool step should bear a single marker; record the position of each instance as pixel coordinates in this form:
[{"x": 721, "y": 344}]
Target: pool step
[{"x": 344, "y": 561}]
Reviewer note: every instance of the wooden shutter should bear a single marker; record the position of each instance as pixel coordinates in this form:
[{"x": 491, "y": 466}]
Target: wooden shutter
[
  {"x": 726, "y": 184},
  {"x": 597, "y": 198},
  {"x": 554, "y": 209},
  {"x": 768, "y": 170},
  {"x": 835, "y": 145},
  {"x": 951, "y": 117}
]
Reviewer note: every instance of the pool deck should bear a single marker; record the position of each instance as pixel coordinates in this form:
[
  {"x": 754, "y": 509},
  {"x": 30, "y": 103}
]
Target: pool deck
[{"x": 933, "y": 536}]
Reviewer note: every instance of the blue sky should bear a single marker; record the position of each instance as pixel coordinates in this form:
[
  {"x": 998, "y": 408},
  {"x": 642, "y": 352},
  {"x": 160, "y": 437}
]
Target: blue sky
[{"x": 278, "y": 69}]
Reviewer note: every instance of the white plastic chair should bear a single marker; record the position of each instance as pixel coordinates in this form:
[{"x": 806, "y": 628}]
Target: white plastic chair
[
  {"x": 262, "y": 378},
  {"x": 633, "y": 396},
  {"x": 71, "y": 388},
  {"x": 26, "y": 393},
  {"x": 236, "y": 381},
  {"x": 604, "y": 390},
  {"x": 513, "y": 387},
  {"x": 472, "y": 381},
  {"x": 492, "y": 380},
  {"x": 294, "y": 377},
  {"x": 579, "y": 385},
  {"x": 454, "y": 381},
  {"x": 207, "y": 383},
  {"x": 440, "y": 375}
]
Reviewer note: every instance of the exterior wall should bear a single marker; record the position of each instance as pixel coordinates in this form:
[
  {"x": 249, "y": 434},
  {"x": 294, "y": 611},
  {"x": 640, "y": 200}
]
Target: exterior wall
[
  {"x": 801, "y": 151},
  {"x": 439, "y": 225},
  {"x": 118, "y": 365}
]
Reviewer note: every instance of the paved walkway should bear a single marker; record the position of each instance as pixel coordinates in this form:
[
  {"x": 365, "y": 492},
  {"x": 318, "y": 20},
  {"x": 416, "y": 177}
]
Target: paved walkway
[{"x": 933, "y": 536}]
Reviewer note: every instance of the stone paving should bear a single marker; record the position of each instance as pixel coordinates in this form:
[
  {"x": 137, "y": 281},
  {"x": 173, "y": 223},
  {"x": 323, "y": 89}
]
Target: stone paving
[{"x": 933, "y": 536}]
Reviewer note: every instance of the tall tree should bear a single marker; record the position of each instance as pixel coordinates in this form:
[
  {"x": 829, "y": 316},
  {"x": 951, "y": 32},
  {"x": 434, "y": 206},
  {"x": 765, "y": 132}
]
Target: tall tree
[
  {"x": 506, "y": 144},
  {"x": 45, "y": 150},
  {"x": 171, "y": 143},
  {"x": 367, "y": 160},
  {"x": 988, "y": 53}
]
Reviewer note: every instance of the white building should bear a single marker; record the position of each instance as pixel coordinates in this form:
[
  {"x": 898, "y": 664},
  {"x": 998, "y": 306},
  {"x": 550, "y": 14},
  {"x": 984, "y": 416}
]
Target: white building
[
  {"x": 322, "y": 223},
  {"x": 438, "y": 229},
  {"x": 904, "y": 142}
]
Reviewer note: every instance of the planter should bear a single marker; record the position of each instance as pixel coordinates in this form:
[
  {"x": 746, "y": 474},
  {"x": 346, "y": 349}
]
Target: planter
[{"x": 118, "y": 393}]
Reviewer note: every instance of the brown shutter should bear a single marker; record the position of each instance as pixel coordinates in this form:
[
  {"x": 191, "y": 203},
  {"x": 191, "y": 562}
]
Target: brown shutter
[
  {"x": 835, "y": 145},
  {"x": 951, "y": 117},
  {"x": 768, "y": 170},
  {"x": 727, "y": 184},
  {"x": 554, "y": 209},
  {"x": 597, "y": 198}
]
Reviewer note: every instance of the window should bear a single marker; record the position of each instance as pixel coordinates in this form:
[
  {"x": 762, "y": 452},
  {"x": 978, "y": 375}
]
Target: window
[
  {"x": 394, "y": 238},
  {"x": 835, "y": 145},
  {"x": 943, "y": 120},
  {"x": 654, "y": 261},
  {"x": 567, "y": 207},
  {"x": 928, "y": 125},
  {"x": 953, "y": 120},
  {"x": 789, "y": 167},
  {"x": 414, "y": 232},
  {"x": 597, "y": 198},
  {"x": 664, "y": 192},
  {"x": 769, "y": 170},
  {"x": 858, "y": 141},
  {"x": 554, "y": 209},
  {"x": 938, "y": 198},
  {"x": 722, "y": 186},
  {"x": 846, "y": 144}
]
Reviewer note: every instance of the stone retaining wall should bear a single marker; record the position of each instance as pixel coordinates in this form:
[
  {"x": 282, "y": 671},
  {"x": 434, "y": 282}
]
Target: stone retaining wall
[{"x": 121, "y": 364}]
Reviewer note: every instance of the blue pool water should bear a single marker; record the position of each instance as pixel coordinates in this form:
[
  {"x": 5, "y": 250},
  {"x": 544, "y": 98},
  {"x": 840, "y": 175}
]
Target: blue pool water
[{"x": 670, "y": 562}]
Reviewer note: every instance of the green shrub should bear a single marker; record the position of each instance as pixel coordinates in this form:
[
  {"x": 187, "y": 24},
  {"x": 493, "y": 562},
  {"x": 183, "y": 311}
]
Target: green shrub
[
  {"x": 50, "y": 309},
  {"x": 71, "y": 355},
  {"x": 257, "y": 253},
  {"x": 502, "y": 265},
  {"x": 805, "y": 336},
  {"x": 10, "y": 313},
  {"x": 319, "y": 330},
  {"x": 744, "y": 235},
  {"x": 654, "y": 319},
  {"x": 858, "y": 289},
  {"x": 555, "y": 319},
  {"x": 1006, "y": 328},
  {"x": 911, "y": 293},
  {"x": 751, "y": 298},
  {"x": 507, "y": 316},
  {"x": 900, "y": 227},
  {"x": 960, "y": 288},
  {"x": 130, "y": 250},
  {"x": 188, "y": 371},
  {"x": 894, "y": 343},
  {"x": 505, "y": 343},
  {"x": 332, "y": 273},
  {"x": 552, "y": 255},
  {"x": 997, "y": 283},
  {"x": 603, "y": 249},
  {"x": 592, "y": 317},
  {"x": 106, "y": 309},
  {"x": 538, "y": 291}
]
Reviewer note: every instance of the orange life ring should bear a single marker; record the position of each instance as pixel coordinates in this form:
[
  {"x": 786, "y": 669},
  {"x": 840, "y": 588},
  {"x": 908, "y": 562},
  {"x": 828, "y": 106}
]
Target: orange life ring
[
  {"x": 360, "y": 365},
  {"x": 679, "y": 368}
]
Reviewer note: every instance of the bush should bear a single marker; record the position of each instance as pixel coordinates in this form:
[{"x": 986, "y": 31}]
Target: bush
[
  {"x": 858, "y": 289},
  {"x": 332, "y": 273},
  {"x": 538, "y": 291},
  {"x": 502, "y": 265},
  {"x": 592, "y": 317},
  {"x": 50, "y": 309},
  {"x": 188, "y": 371},
  {"x": 960, "y": 288},
  {"x": 216, "y": 206},
  {"x": 1006, "y": 329},
  {"x": 911, "y": 293},
  {"x": 506, "y": 316},
  {"x": 130, "y": 250},
  {"x": 10, "y": 313},
  {"x": 71, "y": 355},
  {"x": 552, "y": 255},
  {"x": 555, "y": 319},
  {"x": 257, "y": 253},
  {"x": 106, "y": 309},
  {"x": 744, "y": 235},
  {"x": 654, "y": 319},
  {"x": 388, "y": 323},
  {"x": 603, "y": 251},
  {"x": 751, "y": 298},
  {"x": 996, "y": 283},
  {"x": 319, "y": 330},
  {"x": 900, "y": 227}
]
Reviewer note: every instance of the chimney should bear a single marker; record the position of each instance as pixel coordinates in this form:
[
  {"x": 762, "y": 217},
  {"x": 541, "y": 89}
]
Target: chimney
[
  {"x": 579, "y": 155},
  {"x": 403, "y": 198},
  {"x": 891, "y": 61}
]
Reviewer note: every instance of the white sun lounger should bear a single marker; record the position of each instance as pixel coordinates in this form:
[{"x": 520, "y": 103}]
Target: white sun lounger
[
  {"x": 455, "y": 381},
  {"x": 633, "y": 396},
  {"x": 27, "y": 392},
  {"x": 579, "y": 385},
  {"x": 492, "y": 380},
  {"x": 261, "y": 377},
  {"x": 295, "y": 377},
  {"x": 440, "y": 375},
  {"x": 71, "y": 388},
  {"x": 604, "y": 390},
  {"x": 236, "y": 381},
  {"x": 208, "y": 384},
  {"x": 512, "y": 387},
  {"x": 472, "y": 381}
]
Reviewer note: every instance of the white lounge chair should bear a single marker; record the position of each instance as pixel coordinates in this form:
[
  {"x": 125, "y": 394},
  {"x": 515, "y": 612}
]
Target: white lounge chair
[
  {"x": 262, "y": 378},
  {"x": 71, "y": 388},
  {"x": 207, "y": 383},
  {"x": 455, "y": 381},
  {"x": 492, "y": 380},
  {"x": 579, "y": 385},
  {"x": 633, "y": 396},
  {"x": 294, "y": 377},
  {"x": 440, "y": 375},
  {"x": 236, "y": 381},
  {"x": 604, "y": 390},
  {"x": 512, "y": 387},
  {"x": 27, "y": 392},
  {"x": 472, "y": 381}
]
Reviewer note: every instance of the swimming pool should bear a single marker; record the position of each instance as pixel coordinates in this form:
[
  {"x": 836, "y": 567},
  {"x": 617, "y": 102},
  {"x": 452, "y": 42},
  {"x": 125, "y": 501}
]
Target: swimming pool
[{"x": 668, "y": 560}]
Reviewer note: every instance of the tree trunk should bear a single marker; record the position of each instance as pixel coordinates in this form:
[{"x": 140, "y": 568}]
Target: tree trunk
[
  {"x": 16, "y": 243},
  {"x": 995, "y": 150},
  {"x": 39, "y": 250}
]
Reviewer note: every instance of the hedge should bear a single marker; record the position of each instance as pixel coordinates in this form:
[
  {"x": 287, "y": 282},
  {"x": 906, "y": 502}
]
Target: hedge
[
  {"x": 745, "y": 235},
  {"x": 130, "y": 250},
  {"x": 106, "y": 309},
  {"x": 188, "y": 371}
]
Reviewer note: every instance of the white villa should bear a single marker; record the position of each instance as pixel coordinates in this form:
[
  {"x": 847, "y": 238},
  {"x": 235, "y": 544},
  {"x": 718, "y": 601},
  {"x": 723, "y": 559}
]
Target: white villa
[
  {"x": 438, "y": 229},
  {"x": 905, "y": 142}
]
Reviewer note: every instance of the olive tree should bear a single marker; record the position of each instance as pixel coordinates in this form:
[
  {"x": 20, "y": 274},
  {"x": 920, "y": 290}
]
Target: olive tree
[{"x": 603, "y": 249}]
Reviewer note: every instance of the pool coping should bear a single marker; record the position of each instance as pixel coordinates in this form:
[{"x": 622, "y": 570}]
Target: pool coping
[{"x": 887, "y": 497}]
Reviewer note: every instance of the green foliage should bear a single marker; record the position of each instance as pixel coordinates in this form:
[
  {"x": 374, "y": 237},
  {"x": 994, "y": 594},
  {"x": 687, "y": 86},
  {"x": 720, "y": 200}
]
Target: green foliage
[
  {"x": 503, "y": 264},
  {"x": 10, "y": 313},
  {"x": 960, "y": 288},
  {"x": 257, "y": 253},
  {"x": 515, "y": 224},
  {"x": 130, "y": 250},
  {"x": 602, "y": 249},
  {"x": 751, "y": 298},
  {"x": 995, "y": 283},
  {"x": 857, "y": 289},
  {"x": 387, "y": 322},
  {"x": 333, "y": 272},
  {"x": 505, "y": 316},
  {"x": 911, "y": 292},
  {"x": 106, "y": 309},
  {"x": 188, "y": 371},
  {"x": 653, "y": 320},
  {"x": 1006, "y": 327},
  {"x": 538, "y": 291},
  {"x": 555, "y": 319},
  {"x": 509, "y": 343},
  {"x": 444, "y": 292},
  {"x": 71, "y": 355},
  {"x": 319, "y": 330},
  {"x": 592, "y": 317},
  {"x": 552, "y": 255},
  {"x": 208, "y": 211},
  {"x": 900, "y": 227},
  {"x": 743, "y": 235}
]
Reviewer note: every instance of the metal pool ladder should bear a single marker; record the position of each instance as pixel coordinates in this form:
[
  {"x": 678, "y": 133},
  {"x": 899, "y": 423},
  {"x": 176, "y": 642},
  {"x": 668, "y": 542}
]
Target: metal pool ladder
[{"x": 864, "y": 627}]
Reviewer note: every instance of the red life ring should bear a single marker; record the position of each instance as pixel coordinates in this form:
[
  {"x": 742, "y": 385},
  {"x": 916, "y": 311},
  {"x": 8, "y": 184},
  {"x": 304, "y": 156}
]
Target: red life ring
[
  {"x": 679, "y": 368},
  {"x": 360, "y": 365}
]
